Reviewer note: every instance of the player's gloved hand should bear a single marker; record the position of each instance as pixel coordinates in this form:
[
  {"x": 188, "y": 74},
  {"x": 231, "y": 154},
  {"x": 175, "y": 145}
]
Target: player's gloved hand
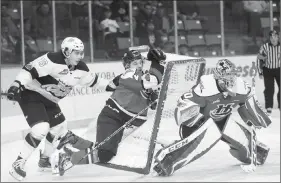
[
  {"x": 153, "y": 97},
  {"x": 14, "y": 92}
]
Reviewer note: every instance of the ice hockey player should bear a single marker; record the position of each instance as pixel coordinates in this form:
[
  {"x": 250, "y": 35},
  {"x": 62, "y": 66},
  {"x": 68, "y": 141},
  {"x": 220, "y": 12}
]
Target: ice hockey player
[
  {"x": 38, "y": 88},
  {"x": 132, "y": 91},
  {"x": 204, "y": 115}
]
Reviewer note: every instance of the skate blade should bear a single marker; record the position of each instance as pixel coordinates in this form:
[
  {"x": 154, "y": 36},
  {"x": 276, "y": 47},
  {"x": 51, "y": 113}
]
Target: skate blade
[
  {"x": 43, "y": 169},
  {"x": 15, "y": 175}
]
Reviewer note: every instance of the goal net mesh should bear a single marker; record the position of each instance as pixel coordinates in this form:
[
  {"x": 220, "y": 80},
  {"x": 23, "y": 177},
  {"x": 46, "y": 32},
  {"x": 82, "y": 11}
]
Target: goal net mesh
[{"x": 135, "y": 152}]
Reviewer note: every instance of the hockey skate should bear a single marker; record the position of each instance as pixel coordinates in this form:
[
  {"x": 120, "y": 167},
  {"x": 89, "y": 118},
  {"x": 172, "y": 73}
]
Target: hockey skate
[
  {"x": 17, "y": 170},
  {"x": 164, "y": 167},
  {"x": 69, "y": 137},
  {"x": 44, "y": 163},
  {"x": 64, "y": 161}
]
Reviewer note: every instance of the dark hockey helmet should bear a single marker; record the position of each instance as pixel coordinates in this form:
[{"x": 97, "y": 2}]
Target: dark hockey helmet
[
  {"x": 130, "y": 56},
  {"x": 156, "y": 55}
]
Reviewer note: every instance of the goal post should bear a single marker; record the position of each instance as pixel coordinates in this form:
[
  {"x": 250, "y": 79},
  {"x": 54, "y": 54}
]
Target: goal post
[{"x": 136, "y": 154}]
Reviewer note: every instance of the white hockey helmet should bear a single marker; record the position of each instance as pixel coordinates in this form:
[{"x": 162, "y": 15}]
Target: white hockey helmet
[
  {"x": 225, "y": 72},
  {"x": 71, "y": 43}
]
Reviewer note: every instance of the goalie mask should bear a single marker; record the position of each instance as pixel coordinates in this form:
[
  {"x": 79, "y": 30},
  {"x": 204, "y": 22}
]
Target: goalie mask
[
  {"x": 226, "y": 75},
  {"x": 132, "y": 58}
]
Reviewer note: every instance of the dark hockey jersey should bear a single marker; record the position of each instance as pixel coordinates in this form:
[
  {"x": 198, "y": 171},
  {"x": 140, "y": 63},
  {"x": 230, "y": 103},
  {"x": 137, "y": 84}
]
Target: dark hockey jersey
[
  {"x": 128, "y": 91},
  {"x": 213, "y": 102},
  {"x": 127, "y": 96},
  {"x": 50, "y": 76}
]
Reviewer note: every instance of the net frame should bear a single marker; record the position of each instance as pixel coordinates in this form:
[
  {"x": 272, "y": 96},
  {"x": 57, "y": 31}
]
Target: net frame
[{"x": 159, "y": 113}]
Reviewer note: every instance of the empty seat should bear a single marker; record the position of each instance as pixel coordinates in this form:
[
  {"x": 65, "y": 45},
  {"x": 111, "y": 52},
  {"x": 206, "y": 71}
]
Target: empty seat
[
  {"x": 265, "y": 22},
  {"x": 197, "y": 44},
  {"x": 193, "y": 53},
  {"x": 32, "y": 44},
  {"x": 124, "y": 43},
  {"x": 196, "y": 40},
  {"x": 212, "y": 53},
  {"x": 180, "y": 25},
  {"x": 44, "y": 45},
  {"x": 230, "y": 52},
  {"x": 181, "y": 39},
  {"x": 213, "y": 39},
  {"x": 193, "y": 25},
  {"x": 14, "y": 13},
  {"x": 124, "y": 26}
]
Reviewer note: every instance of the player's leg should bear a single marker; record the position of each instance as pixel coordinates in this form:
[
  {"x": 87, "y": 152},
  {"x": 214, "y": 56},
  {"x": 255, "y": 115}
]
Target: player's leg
[
  {"x": 59, "y": 136},
  {"x": 238, "y": 136},
  {"x": 57, "y": 128},
  {"x": 108, "y": 122},
  {"x": 269, "y": 89},
  {"x": 196, "y": 142},
  {"x": 37, "y": 119},
  {"x": 277, "y": 78}
]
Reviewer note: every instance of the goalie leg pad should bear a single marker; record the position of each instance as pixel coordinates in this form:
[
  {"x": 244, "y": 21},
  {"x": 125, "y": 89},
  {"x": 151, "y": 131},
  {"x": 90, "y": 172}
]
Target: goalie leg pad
[
  {"x": 253, "y": 112},
  {"x": 180, "y": 153},
  {"x": 237, "y": 135}
]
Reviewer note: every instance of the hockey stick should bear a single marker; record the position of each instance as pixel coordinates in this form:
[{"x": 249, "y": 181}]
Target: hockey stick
[
  {"x": 4, "y": 95},
  {"x": 253, "y": 147},
  {"x": 61, "y": 171},
  {"x": 131, "y": 131}
]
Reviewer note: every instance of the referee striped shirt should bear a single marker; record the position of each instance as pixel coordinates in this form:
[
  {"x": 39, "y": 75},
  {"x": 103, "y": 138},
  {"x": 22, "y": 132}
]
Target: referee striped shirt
[{"x": 272, "y": 52}]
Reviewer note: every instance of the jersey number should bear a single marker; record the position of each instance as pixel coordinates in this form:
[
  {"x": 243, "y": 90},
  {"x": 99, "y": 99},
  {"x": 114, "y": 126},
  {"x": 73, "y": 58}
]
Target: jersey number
[{"x": 187, "y": 95}]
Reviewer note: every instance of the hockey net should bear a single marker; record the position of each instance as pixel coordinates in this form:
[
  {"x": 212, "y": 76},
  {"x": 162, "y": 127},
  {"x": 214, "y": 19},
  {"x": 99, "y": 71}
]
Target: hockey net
[{"x": 135, "y": 152}]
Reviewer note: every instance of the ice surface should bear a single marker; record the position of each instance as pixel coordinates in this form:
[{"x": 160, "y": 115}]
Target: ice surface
[{"x": 216, "y": 165}]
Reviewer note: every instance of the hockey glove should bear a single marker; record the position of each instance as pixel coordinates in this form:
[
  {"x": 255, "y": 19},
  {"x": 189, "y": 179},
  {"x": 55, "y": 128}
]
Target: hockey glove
[
  {"x": 14, "y": 92},
  {"x": 152, "y": 97}
]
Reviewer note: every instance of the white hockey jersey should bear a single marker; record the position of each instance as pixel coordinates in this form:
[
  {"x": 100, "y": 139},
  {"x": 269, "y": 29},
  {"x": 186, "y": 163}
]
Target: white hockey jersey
[{"x": 50, "y": 76}]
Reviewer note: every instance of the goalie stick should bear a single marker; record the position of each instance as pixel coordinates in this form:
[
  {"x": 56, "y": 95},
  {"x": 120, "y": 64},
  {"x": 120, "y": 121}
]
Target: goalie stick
[
  {"x": 61, "y": 171},
  {"x": 253, "y": 141}
]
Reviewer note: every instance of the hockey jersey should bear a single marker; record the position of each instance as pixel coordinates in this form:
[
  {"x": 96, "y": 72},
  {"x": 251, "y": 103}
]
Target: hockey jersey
[
  {"x": 213, "y": 102},
  {"x": 128, "y": 89},
  {"x": 50, "y": 76}
]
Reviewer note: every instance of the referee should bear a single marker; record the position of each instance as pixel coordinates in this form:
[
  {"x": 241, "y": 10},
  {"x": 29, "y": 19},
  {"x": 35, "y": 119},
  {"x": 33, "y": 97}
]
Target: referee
[{"x": 268, "y": 64}]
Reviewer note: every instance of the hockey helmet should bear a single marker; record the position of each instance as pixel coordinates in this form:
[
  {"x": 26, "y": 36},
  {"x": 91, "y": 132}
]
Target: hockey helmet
[
  {"x": 226, "y": 73},
  {"x": 130, "y": 56},
  {"x": 70, "y": 44},
  {"x": 156, "y": 55}
]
